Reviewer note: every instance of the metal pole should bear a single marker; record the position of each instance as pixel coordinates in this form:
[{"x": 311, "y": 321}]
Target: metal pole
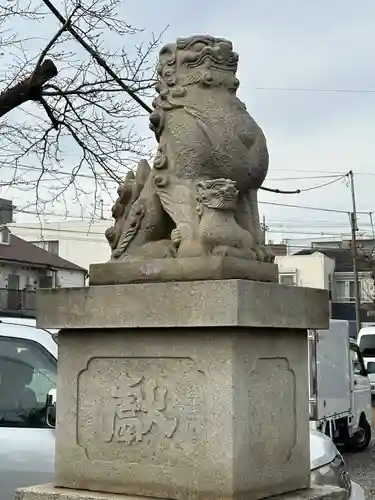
[
  {"x": 354, "y": 227},
  {"x": 264, "y": 230},
  {"x": 102, "y": 209}
]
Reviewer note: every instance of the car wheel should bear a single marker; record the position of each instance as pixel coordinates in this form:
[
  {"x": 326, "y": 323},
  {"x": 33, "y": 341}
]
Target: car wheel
[{"x": 361, "y": 439}]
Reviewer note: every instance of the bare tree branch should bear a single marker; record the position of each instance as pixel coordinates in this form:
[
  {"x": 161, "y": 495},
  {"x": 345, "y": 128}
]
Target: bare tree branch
[
  {"x": 70, "y": 140},
  {"x": 96, "y": 55},
  {"x": 29, "y": 89}
]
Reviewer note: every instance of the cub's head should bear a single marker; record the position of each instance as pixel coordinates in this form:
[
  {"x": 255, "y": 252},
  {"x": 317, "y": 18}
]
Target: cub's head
[{"x": 219, "y": 194}]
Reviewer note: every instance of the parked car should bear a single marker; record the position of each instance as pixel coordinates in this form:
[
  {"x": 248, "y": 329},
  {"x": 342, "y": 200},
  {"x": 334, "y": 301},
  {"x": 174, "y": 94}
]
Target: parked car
[
  {"x": 28, "y": 359},
  {"x": 370, "y": 367},
  {"x": 328, "y": 466},
  {"x": 28, "y": 366},
  {"x": 366, "y": 342}
]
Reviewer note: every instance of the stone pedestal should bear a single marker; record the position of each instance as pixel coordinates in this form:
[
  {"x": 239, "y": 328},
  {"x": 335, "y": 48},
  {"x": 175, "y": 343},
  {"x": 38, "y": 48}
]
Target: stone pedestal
[
  {"x": 182, "y": 269},
  {"x": 188, "y": 390}
]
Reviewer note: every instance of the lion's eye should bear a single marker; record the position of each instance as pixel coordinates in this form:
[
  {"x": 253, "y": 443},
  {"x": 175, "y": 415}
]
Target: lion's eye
[
  {"x": 165, "y": 51},
  {"x": 199, "y": 46}
]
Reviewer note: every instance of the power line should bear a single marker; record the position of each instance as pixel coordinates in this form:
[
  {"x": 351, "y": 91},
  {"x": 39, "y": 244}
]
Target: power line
[
  {"x": 298, "y": 191},
  {"x": 304, "y": 177},
  {"x": 65, "y": 216},
  {"x": 101, "y": 233},
  {"x": 301, "y": 89},
  {"x": 302, "y": 207},
  {"x": 25, "y": 168},
  {"x": 55, "y": 230},
  {"x": 325, "y": 184},
  {"x": 306, "y": 208},
  {"x": 320, "y": 171},
  {"x": 288, "y": 243},
  {"x": 307, "y": 224},
  {"x": 323, "y": 233}
]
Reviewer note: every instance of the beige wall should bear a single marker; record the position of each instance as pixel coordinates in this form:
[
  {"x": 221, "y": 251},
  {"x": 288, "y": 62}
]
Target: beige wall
[{"x": 310, "y": 270}]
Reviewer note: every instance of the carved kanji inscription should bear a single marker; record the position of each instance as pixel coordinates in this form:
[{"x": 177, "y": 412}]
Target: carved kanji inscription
[
  {"x": 142, "y": 410},
  {"x": 139, "y": 406}
]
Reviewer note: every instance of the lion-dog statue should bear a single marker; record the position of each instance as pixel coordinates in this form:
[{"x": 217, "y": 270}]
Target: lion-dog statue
[{"x": 200, "y": 197}]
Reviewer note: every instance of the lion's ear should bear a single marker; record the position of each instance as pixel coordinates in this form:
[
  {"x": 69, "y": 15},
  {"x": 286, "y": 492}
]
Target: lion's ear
[
  {"x": 128, "y": 182},
  {"x": 129, "y": 176},
  {"x": 142, "y": 173}
]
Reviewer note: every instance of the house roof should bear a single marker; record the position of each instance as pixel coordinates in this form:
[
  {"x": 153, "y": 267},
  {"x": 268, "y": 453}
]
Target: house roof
[
  {"x": 343, "y": 259},
  {"x": 19, "y": 250}
]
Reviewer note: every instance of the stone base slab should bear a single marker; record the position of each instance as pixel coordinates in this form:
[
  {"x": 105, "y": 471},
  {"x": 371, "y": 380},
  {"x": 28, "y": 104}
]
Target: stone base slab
[
  {"x": 48, "y": 492},
  {"x": 181, "y": 269},
  {"x": 217, "y": 303}
]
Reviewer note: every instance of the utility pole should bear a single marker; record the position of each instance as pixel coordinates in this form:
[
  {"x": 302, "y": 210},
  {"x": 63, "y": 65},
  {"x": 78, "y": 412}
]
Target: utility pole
[
  {"x": 264, "y": 228},
  {"x": 101, "y": 209},
  {"x": 354, "y": 227}
]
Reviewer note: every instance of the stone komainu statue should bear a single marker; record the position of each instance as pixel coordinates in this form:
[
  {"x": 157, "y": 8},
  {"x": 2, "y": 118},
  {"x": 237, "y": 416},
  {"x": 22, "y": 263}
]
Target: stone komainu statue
[{"x": 200, "y": 197}]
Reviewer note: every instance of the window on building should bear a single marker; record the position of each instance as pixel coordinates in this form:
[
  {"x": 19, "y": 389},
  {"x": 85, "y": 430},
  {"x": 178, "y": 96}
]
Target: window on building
[
  {"x": 344, "y": 290},
  {"x": 51, "y": 246},
  {"x": 46, "y": 282},
  {"x": 5, "y": 236},
  {"x": 352, "y": 293},
  {"x": 27, "y": 374},
  {"x": 288, "y": 279}
]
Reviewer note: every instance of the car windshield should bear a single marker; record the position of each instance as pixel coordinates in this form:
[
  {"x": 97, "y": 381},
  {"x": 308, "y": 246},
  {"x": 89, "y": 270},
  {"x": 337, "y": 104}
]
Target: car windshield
[
  {"x": 367, "y": 345},
  {"x": 27, "y": 373}
]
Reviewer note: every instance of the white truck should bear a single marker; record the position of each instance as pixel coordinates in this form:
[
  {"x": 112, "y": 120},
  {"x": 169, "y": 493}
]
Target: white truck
[{"x": 340, "y": 391}]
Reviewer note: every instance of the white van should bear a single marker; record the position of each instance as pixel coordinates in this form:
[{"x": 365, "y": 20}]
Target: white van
[
  {"x": 366, "y": 340},
  {"x": 366, "y": 343},
  {"x": 340, "y": 391}
]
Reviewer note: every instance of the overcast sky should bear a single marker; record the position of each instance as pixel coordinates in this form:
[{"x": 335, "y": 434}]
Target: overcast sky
[{"x": 296, "y": 44}]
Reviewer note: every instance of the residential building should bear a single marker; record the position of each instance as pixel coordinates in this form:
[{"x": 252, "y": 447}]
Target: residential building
[
  {"x": 79, "y": 241},
  {"x": 277, "y": 248},
  {"x": 332, "y": 269},
  {"x": 364, "y": 245},
  {"x": 24, "y": 267}
]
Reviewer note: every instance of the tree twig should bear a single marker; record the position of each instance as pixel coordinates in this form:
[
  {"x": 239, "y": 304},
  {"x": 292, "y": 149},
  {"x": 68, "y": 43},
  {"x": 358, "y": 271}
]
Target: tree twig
[
  {"x": 96, "y": 56},
  {"x": 51, "y": 43}
]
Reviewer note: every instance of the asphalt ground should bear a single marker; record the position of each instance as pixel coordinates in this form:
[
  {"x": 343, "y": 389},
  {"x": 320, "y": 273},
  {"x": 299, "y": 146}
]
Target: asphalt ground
[{"x": 361, "y": 466}]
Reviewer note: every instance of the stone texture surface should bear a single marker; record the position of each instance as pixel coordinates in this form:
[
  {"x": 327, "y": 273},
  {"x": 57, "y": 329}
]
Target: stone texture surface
[
  {"x": 48, "y": 492},
  {"x": 196, "y": 268},
  {"x": 217, "y": 303},
  {"x": 183, "y": 413},
  {"x": 200, "y": 197}
]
